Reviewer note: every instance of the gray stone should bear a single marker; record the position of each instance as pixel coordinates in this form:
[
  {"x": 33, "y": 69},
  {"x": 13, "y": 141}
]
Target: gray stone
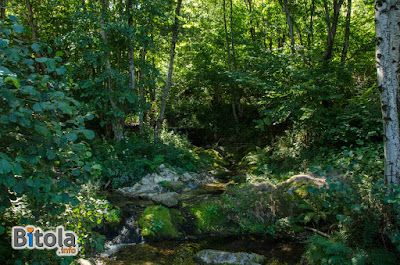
[
  {"x": 169, "y": 199},
  {"x": 187, "y": 176},
  {"x": 208, "y": 256},
  {"x": 192, "y": 185}
]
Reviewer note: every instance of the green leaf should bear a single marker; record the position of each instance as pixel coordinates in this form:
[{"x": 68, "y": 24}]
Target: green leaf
[
  {"x": 37, "y": 107},
  {"x": 71, "y": 136},
  {"x": 41, "y": 129},
  {"x": 2, "y": 229},
  {"x": 61, "y": 70},
  {"x": 74, "y": 202},
  {"x": 56, "y": 199},
  {"x": 10, "y": 181},
  {"x": 4, "y": 43},
  {"x": 13, "y": 18},
  {"x": 35, "y": 47},
  {"x": 41, "y": 59},
  {"x": 89, "y": 134},
  {"x": 87, "y": 168},
  {"x": 19, "y": 188},
  {"x": 13, "y": 79},
  {"x": 59, "y": 53},
  {"x": 5, "y": 166},
  {"x": 18, "y": 29},
  {"x": 50, "y": 154}
]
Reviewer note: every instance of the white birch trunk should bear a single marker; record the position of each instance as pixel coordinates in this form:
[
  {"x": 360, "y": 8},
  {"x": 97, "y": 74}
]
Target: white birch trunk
[{"x": 387, "y": 22}]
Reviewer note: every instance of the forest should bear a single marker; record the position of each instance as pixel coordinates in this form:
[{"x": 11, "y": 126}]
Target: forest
[{"x": 200, "y": 132}]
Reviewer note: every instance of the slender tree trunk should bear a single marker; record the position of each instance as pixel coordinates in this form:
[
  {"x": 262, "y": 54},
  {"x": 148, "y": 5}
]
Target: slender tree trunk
[
  {"x": 35, "y": 36},
  {"x": 31, "y": 21},
  {"x": 130, "y": 49},
  {"x": 252, "y": 30},
  {"x": 141, "y": 92},
  {"x": 117, "y": 123},
  {"x": 285, "y": 7},
  {"x": 154, "y": 83},
  {"x": 3, "y": 4},
  {"x": 310, "y": 35},
  {"x": 331, "y": 26},
  {"x": 226, "y": 37},
  {"x": 298, "y": 32},
  {"x": 233, "y": 93},
  {"x": 232, "y": 39},
  {"x": 387, "y": 17},
  {"x": 170, "y": 69},
  {"x": 346, "y": 34}
]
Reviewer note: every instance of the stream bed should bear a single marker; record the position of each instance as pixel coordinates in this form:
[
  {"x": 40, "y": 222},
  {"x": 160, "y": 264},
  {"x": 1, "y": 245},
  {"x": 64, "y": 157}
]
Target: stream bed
[
  {"x": 277, "y": 252},
  {"x": 127, "y": 245}
]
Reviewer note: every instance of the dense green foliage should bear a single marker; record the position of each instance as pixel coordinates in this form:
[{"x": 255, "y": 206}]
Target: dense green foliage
[{"x": 80, "y": 89}]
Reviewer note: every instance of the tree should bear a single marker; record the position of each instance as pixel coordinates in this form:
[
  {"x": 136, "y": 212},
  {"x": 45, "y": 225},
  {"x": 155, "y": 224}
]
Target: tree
[
  {"x": 170, "y": 69},
  {"x": 387, "y": 18},
  {"x": 331, "y": 26},
  {"x": 346, "y": 34}
]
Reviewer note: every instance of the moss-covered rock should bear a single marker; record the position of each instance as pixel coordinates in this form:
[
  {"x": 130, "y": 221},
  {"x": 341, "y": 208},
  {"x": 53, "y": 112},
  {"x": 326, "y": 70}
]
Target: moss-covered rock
[
  {"x": 208, "y": 217},
  {"x": 160, "y": 222}
]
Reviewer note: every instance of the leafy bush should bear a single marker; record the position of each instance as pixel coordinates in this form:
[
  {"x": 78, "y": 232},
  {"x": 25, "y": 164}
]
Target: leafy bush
[
  {"x": 44, "y": 155},
  {"x": 126, "y": 162},
  {"x": 366, "y": 217}
]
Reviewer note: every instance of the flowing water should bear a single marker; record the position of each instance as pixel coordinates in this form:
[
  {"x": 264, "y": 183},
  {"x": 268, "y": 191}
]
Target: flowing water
[
  {"x": 127, "y": 246},
  {"x": 277, "y": 252}
]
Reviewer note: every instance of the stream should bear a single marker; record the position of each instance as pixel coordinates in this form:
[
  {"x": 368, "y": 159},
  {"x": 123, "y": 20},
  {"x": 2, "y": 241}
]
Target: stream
[{"x": 127, "y": 246}]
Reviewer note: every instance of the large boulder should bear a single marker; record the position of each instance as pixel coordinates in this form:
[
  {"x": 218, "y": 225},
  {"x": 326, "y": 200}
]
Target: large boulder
[
  {"x": 215, "y": 257},
  {"x": 170, "y": 199},
  {"x": 160, "y": 222},
  {"x": 164, "y": 180}
]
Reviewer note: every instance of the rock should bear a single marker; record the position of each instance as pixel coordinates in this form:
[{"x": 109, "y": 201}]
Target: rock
[
  {"x": 84, "y": 262},
  {"x": 161, "y": 167},
  {"x": 160, "y": 222},
  {"x": 187, "y": 176},
  {"x": 318, "y": 182},
  {"x": 192, "y": 185},
  {"x": 172, "y": 185},
  {"x": 208, "y": 256},
  {"x": 207, "y": 217},
  {"x": 169, "y": 199}
]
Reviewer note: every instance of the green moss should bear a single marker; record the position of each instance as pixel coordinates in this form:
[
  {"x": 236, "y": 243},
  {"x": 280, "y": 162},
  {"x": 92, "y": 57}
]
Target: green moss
[
  {"x": 160, "y": 222},
  {"x": 171, "y": 186},
  {"x": 208, "y": 217}
]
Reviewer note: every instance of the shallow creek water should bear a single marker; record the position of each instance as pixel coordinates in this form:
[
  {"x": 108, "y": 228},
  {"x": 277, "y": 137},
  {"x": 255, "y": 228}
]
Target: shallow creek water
[
  {"x": 128, "y": 247},
  {"x": 181, "y": 252}
]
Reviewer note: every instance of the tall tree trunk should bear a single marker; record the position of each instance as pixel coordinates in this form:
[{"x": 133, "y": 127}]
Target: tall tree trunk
[
  {"x": 3, "y": 4},
  {"x": 331, "y": 26},
  {"x": 130, "y": 50},
  {"x": 285, "y": 7},
  {"x": 171, "y": 65},
  {"x": 252, "y": 30},
  {"x": 310, "y": 35},
  {"x": 233, "y": 92},
  {"x": 298, "y": 32},
  {"x": 346, "y": 34},
  {"x": 141, "y": 91},
  {"x": 387, "y": 17},
  {"x": 31, "y": 21},
  {"x": 226, "y": 37},
  {"x": 117, "y": 123},
  {"x": 35, "y": 36},
  {"x": 154, "y": 83}
]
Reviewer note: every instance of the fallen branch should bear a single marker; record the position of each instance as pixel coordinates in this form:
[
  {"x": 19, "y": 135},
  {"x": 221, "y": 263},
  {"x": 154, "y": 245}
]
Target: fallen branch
[{"x": 317, "y": 231}]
